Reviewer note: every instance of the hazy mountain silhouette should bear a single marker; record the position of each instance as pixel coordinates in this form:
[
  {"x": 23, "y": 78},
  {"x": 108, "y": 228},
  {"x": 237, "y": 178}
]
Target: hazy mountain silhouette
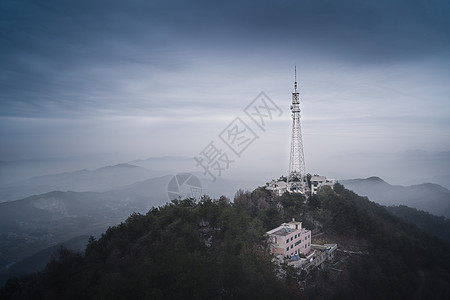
[
  {"x": 429, "y": 197},
  {"x": 38, "y": 222},
  {"x": 102, "y": 179},
  {"x": 403, "y": 168}
]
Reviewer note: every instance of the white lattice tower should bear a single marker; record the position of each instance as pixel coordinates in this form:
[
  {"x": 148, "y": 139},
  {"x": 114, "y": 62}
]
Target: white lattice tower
[{"x": 297, "y": 171}]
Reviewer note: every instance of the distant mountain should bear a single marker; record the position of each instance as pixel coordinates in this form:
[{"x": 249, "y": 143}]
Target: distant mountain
[
  {"x": 19, "y": 170},
  {"x": 164, "y": 159},
  {"x": 429, "y": 197},
  {"x": 170, "y": 164},
  {"x": 38, "y": 222},
  {"x": 404, "y": 168},
  {"x": 102, "y": 179}
]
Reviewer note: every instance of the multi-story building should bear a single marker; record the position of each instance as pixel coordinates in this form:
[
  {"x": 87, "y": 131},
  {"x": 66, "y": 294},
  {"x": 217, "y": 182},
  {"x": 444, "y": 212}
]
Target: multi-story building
[
  {"x": 319, "y": 181},
  {"x": 290, "y": 239}
]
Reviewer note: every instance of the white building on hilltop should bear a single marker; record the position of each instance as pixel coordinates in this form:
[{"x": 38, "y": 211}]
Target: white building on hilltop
[
  {"x": 319, "y": 181},
  {"x": 278, "y": 187},
  {"x": 290, "y": 239}
]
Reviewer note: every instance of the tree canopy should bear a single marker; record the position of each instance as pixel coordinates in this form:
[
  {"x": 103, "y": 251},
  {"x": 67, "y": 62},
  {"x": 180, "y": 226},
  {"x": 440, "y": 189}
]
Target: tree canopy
[{"x": 216, "y": 249}]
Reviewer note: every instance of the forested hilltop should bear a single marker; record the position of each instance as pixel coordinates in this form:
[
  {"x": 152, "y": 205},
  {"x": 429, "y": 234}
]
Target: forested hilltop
[{"x": 215, "y": 249}]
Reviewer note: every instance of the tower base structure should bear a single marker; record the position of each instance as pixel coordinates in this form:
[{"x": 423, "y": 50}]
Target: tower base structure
[{"x": 296, "y": 183}]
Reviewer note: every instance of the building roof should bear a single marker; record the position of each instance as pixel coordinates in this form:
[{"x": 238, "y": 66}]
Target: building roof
[
  {"x": 286, "y": 228},
  {"x": 282, "y": 231},
  {"x": 318, "y": 178},
  {"x": 279, "y": 183}
]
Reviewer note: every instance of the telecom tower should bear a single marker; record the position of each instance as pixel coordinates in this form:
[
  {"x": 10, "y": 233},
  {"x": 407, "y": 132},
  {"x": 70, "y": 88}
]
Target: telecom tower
[{"x": 297, "y": 181}]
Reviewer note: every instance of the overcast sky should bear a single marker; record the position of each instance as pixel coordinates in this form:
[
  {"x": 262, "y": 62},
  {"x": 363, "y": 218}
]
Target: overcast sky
[{"x": 157, "y": 78}]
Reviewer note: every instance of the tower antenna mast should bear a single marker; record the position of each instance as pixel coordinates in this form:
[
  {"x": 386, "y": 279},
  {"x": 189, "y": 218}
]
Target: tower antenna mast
[
  {"x": 295, "y": 82},
  {"x": 296, "y": 180}
]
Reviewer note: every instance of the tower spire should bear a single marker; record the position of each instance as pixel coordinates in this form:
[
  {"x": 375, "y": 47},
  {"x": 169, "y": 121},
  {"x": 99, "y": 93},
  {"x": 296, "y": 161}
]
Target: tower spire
[
  {"x": 297, "y": 182},
  {"x": 295, "y": 76}
]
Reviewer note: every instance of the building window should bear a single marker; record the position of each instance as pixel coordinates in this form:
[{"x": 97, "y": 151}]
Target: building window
[
  {"x": 287, "y": 241},
  {"x": 292, "y": 246},
  {"x": 287, "y": 249},
  {"x": 295, "y": 236},
  {"x": 291, "y": 238}
]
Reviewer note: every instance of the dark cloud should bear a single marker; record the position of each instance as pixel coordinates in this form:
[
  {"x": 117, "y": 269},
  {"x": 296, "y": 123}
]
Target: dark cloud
[
  {"x": 52, "y": 50},
  {"x": 80, "y": 59}
]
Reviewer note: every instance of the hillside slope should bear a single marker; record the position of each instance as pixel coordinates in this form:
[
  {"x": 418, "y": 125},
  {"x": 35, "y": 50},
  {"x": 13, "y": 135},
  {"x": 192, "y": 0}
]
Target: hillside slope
[
  {"x": 437, "y": 226},
  {"x": 38, "y": 261},
  {"x": 215, "y": 249}
]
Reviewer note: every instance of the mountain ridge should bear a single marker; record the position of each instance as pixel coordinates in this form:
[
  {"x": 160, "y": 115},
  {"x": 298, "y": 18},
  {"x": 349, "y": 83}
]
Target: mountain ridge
[
  {"x": 31, "y": 224},
  {"x": 430, "y": 197},
  {"x": 100, "y": 179}
]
